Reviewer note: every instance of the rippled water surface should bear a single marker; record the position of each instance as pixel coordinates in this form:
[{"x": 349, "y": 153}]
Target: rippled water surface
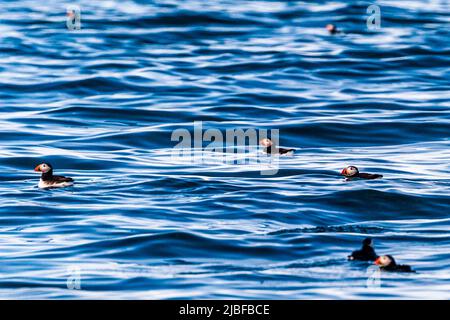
[{"x": 101, "y": 103}]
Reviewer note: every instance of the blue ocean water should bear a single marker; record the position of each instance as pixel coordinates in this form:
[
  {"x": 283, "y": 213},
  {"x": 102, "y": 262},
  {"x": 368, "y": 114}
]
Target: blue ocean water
[{"x": 101, "y": 103}]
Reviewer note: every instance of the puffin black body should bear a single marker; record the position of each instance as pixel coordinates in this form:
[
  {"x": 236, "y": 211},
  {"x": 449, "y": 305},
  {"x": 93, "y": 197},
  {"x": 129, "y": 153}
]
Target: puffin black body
[
  {"x": 352, "y": 172},
  {"x": 271, "y": 148},
  {"x": 387, "y": 263},
  {"x": 48, "y": 180},
  {"x": 366, "y": 253}
]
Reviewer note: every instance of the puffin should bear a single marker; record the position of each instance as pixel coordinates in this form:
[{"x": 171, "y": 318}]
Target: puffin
[
  {"x": 366, "y": 253},
  {"x": 387, "y": 263},
  {"x": 332, "y": 29},
  {"x": 48, "y": 180},
  {"x": 271, "y": 148},
  {"x": 353, "y": 172}
]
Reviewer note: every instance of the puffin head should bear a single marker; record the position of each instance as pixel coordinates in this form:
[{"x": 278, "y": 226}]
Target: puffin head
[
  {"x": 385, "y": 261},
  {"x": 331, "y": 28},
  {"x": 43, "y": 167},
  {"x": 266, "y": 142},
  {"x": 350, "y": 171},
  {"x": 368, "y": 242}
]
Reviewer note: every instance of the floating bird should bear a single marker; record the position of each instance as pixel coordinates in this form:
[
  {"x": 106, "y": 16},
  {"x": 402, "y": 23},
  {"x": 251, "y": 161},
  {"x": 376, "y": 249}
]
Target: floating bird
[
  {"x": 366, "y": 253},
  {"x": 387, "y": 263},
  {"x": 353, "y": 172},
  {"x": 271, "y": 148},
  {"x": 332, "y": 29},
  {"x": 48, "y": 180}
]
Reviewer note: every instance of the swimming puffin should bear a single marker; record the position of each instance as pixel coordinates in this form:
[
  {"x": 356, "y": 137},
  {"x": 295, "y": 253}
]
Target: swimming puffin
[
  {"x": 48, "y": 180},
  {"x": 353, "y": 172},
  {"x": 271, "y": 148},
  {"x": 366, "y": 253},
  {"x": 332, "y": 29},
  {"x": 387, "y": 263}
]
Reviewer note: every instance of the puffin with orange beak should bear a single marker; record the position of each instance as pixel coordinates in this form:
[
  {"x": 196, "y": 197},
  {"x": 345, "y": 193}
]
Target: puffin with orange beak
[
  {"x": 332, "y": 29},
  {"x": 353, "y": 172},
  {"x": 271, "y": 148},
  {"x": 48, "y": 180},
  {"x": 387, "y": 263}
]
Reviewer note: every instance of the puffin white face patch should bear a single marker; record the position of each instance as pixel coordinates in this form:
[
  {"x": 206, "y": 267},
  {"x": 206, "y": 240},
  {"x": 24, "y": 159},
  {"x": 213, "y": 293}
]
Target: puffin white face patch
[
  {"x": 266, "y": 142},
  {"x": 385, "y": 261},
  {"x": 45, "y": 168},
  {"x": 352, "y": 171}
]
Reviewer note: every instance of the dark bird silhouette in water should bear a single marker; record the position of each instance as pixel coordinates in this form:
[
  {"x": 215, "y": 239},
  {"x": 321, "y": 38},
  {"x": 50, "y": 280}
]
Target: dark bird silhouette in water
[
  {"x": 271, "y": 148},
  {"x": 48, "y": 180},
  {"x": 332, "y": 29},
  {"x": 366, "y": 253},
  {"x": 387, "y": 263},
  {"x": 353, "y": 172}
]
